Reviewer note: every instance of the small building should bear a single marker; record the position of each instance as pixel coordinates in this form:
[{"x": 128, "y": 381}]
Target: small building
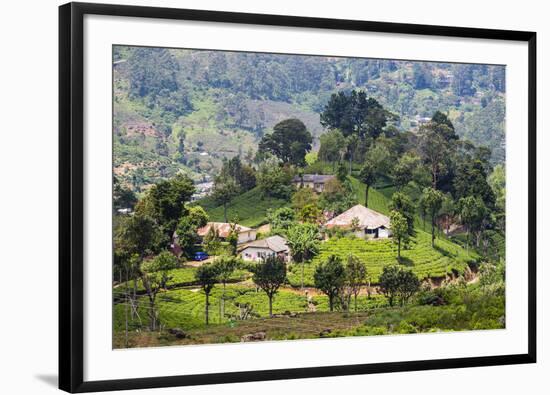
[
  {"x": 202, "y": 190},
  {"x": 364, "y": 222},
  {"x": 314, "y": 181},
  {"x": 223, "y": 229},
  {"x": 261, "y": 249}
]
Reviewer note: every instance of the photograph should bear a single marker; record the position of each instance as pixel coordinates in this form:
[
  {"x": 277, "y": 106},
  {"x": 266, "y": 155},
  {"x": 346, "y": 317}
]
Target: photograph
[{"x": 272, "y": 197}]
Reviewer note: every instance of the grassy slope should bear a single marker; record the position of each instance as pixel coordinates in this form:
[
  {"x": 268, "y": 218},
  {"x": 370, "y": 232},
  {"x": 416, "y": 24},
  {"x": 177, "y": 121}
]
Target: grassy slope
[
  {"x": 424, "y": 260},
  {"x": 183, "y": 277},
  {"x": 249, "y": 208},
  {"x": 184, "y": 308}
]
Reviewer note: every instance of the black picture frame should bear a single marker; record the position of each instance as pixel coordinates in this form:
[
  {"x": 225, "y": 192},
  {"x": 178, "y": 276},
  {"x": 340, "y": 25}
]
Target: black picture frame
[{"x": 71, "y": 204}]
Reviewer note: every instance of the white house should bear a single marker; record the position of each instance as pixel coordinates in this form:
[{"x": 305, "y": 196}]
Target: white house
[
  {"x": 368, "y": 223},
  {"x": 223, "y": 229},
  {"x": 260, "y": 249}
]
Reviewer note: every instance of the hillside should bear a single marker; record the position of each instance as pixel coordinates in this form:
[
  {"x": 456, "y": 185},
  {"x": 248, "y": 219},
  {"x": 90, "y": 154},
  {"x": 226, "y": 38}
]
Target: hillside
[
  {"x": 249, "y": 209},
  {"x": 425, "y": 261},
  {"x": 420, "y": 257},
  {"x": 185, "y": 110}
]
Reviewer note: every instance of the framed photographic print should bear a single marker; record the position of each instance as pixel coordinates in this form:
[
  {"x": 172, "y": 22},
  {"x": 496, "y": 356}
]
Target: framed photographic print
[{"x": 253, "y": 197}]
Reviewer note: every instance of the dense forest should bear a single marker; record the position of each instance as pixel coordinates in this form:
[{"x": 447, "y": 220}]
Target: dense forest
[{"x": 188, "y": 110}]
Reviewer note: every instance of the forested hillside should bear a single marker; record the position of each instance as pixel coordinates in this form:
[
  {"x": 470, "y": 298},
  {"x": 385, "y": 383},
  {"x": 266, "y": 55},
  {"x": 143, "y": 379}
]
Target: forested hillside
[{"x": 186, "y": 110}]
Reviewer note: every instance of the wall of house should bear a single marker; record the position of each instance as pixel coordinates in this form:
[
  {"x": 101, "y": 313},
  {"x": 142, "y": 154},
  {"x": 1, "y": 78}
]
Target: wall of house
[
  {"x": 253, "y": 253},
  {"x": 383, "y": 233},
  {"x": 305, "y": 184},
  {"x": 246, "y": 237}
]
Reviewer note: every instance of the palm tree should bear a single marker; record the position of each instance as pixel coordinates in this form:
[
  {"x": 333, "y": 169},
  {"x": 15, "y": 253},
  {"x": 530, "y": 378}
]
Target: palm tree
[{"x": 303, "y": 241}]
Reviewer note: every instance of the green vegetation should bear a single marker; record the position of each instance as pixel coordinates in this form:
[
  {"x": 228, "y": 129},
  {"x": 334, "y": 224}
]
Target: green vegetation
[
  {"x": 420, "y": 257},
  {"x": 186, "y": 110},
  {"x": 385, "y": 134},
  {"x": 184, "y": 308},
  {"x": 182, "y": 277},
  {"x": 453, "y": 308},
  {"x": 250, "y": 208}
]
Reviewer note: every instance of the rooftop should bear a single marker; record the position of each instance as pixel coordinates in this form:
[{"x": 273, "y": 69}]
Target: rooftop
[
  {"x": 223, "y": 229},
  {"x": 274, "y": 243},
  {"x": 367, "y": 218},
  {"x": 315, "y": 178}
]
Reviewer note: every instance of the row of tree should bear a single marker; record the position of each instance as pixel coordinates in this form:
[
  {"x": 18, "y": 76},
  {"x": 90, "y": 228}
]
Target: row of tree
[{"x": 342, "y": 281}]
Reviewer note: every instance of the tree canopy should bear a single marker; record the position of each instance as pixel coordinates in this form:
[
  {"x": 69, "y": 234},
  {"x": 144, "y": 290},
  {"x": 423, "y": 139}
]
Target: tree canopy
[{"x": 290, "y": 142}]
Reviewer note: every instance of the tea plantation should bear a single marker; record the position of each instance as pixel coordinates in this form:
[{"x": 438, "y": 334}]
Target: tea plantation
[{"x": 420, "y": 257}]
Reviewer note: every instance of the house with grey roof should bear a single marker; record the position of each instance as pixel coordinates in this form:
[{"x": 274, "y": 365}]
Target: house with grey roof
[
  {"x": 314, "y": 181},
  {"x": 363, "y": 221},
  {"x": 261, "y": 249}
]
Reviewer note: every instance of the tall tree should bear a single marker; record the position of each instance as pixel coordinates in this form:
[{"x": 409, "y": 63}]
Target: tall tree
[
  {"x": 243, "y": 175},
  {"x": 225, "y": 266},
  {"x": 403, "y": 204},
  {"x": 303, "y": 240},
  {"x": 399, "y": 228},
  {"x": 356, "y": 275},
  {"x": 447, "y": 211},
  {"x": 399, "y": 283},
  {"x": 474, "y": 215},
  {"x": 430, "y": 202},
  {"x": 274, "y": 180},
  {"x": 333, "y": 146},
  {"x": 165, "y": 202},
  {"x": 290, "y": 142},
  {"x": 368, "y": 177},
  {"x": 355, "y": 114},
  {"x": 186, "y": 232},
  {"x": 404, "y": 170},
  {"x": 329, "y": 277},
  {"x": 442, "y": 119},
  {"x": 435, "y": 148},
  {"x": 154, "y": 276},
  {"x": 207, "y": 276},
  {"x": 138, "y": 234},
  {"x": 233, "y": 236},
  {"x": 472, "y": 180},
  {"x": 269, "y": 275},
  {"x": 225, "y": 189},
  {"x": 352, "y": 143}
]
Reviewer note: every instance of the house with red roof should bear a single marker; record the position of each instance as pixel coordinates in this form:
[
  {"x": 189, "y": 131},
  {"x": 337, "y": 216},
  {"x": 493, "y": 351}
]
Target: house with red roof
[{"x": 223, "y": 229}]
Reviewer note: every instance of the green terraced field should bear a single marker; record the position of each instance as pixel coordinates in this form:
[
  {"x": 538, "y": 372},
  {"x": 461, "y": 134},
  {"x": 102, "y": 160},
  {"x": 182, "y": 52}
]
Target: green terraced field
[
  {"x": 184, "y": 308},
  {"x": 249, "y": 208},
  {"x": 185, "y": 276},
  {"x": 424, "y": 260}
]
